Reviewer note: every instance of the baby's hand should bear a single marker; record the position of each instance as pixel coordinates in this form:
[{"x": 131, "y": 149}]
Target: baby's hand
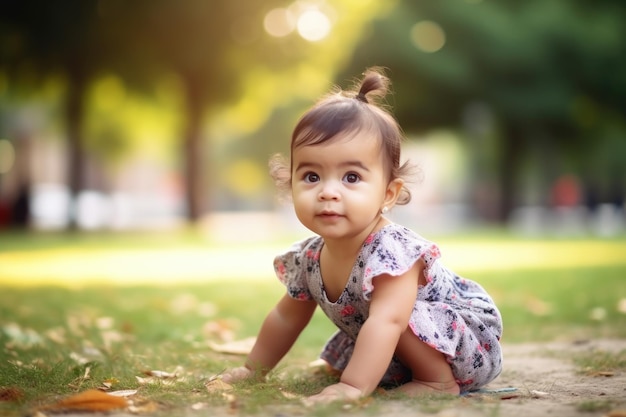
[
  {"x": 335, "y": 392},
  {"x": 238, "y": 374}
]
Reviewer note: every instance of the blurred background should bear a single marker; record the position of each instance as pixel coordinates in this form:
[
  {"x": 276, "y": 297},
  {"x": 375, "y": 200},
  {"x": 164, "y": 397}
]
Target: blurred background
[{"x": 144, "y": 114}]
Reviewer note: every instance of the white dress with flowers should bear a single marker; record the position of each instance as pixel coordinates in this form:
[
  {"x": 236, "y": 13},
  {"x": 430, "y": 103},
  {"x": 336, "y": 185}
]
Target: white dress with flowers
[{"x": 454, "y": 315}]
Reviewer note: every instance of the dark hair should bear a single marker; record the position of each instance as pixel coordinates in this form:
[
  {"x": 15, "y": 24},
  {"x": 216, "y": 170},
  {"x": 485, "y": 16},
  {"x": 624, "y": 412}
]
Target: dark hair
[{"x": 350, "y": 112}]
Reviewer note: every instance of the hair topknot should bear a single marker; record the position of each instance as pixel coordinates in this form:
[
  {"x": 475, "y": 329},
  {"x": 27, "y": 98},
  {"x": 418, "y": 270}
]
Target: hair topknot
[{"x": 374, "y": 84}]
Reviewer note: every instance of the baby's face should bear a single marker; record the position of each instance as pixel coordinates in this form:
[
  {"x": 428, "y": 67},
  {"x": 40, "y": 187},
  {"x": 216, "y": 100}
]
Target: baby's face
[{"x": 339, "y": 187}]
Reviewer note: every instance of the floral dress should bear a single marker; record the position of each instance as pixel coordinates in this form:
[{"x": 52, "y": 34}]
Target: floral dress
[{"x": 454, "y": 315}]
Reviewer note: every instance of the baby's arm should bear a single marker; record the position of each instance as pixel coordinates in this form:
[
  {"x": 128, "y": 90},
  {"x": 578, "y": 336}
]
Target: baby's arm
[
  {"x": 279, "y": 331},
  {"x": 390, "y": 309}
]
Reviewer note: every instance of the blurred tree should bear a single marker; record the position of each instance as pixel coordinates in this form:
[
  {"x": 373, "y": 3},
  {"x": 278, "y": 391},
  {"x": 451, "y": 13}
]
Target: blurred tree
[
  {"x": 540, "y": 68},
  {"x": 214, "y": 48},
  {"x": 222, "y": 53},
  {"x": 72, "y": 41}
]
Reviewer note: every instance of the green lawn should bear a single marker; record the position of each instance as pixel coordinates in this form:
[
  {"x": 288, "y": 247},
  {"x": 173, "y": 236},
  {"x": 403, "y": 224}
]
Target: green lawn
[{"x": 104, "y": 308}]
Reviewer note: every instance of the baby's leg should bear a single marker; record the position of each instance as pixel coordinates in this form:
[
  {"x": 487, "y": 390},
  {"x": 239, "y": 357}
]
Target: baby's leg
[{"x": 431, "y": 373}]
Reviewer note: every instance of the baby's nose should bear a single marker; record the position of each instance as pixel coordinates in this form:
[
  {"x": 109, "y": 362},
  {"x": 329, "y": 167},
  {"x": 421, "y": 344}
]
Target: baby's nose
[{"x": 329, "y": 191}]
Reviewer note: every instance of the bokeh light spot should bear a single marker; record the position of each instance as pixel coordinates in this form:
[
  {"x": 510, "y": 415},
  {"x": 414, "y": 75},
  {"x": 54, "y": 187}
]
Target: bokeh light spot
[
  {"x": 428, "y": 36},
  {"x": 313, "y": 25},
  {"x": 279, "y": 22}
]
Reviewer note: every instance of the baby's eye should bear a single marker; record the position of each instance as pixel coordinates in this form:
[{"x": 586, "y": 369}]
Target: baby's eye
[
  {"x": 311, "y": 177},
  {"x": 351, "y": 178}
]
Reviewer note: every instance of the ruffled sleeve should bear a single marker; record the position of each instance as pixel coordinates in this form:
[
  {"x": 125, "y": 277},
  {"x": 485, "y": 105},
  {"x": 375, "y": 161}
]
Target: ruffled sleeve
[
  {"x": 393, "y": 251},
  {"x": 292, "y": 266}
]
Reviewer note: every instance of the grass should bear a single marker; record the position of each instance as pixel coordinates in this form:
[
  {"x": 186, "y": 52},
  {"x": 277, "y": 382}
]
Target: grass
[
  {"x": 600, "y": 363},
  {"x": 593, "y": 406},
  {"x": 83, "y": 321}
]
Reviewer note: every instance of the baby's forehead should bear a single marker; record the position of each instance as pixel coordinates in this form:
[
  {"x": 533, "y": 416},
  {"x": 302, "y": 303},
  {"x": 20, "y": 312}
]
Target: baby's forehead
[
  {"x": 312, "y": 137},
  {"x": 346, "y": 150}
]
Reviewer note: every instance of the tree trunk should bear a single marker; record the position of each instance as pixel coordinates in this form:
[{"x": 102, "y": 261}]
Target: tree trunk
[
  {"x": 76, "y": 157},
  {"x": 511, "y": 156},
  {"x": 193, "y": 151}
]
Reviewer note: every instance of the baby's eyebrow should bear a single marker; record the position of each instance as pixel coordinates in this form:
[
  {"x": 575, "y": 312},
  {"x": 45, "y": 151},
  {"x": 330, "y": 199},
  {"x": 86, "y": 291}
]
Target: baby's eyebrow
[
  {"x": 307, "y": 165},
  {"x": 357, "y": 164},
  {"x": 345, "y": 164}
]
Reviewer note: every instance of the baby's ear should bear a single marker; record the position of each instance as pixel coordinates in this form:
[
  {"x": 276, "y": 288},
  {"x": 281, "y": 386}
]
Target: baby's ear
[{"x": 394, "y": 189}]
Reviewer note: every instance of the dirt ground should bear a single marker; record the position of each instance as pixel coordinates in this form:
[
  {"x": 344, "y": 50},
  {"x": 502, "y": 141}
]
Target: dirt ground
[
  {"x": 546, "y": 379},
  {"x": 549, "y": 383}
]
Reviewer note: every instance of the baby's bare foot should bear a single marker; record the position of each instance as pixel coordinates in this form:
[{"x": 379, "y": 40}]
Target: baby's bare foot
[{"x": 416, "y": 388}]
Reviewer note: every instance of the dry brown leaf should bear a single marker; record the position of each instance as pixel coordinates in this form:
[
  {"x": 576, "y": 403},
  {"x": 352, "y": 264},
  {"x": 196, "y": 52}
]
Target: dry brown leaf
[
  {"x": 144, "y": 381},
  {"x": 123, "y": 393},
  {"x": 289, "y": 395},
  {"x": 617, "y": 413},
  {"x": 57, "y": 335},
  {"x": 221, "y": 329},
  {"x": 160, "y": 377},
  {"x": 150, "y": 380},
  {"x": 108, "y": 383},
  {"x": 217, "y": 385},
  {"x": 10, "y": 394},
  {"x": 162, "y": 374},
  {"x": 238, "y": 347},
  {"x": 90, "y": 400}
]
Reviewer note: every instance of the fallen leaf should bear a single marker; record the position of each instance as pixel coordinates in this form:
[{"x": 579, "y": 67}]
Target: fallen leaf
[
  {"x": 87, "y": 373},
  {"x": 617, "y": 413},
  {"x": 144, "y": 381},
  {"x": 158, "y": 380},
  {"x": 221, "y": 329},
  {"x": 10, "y": 394},
  {"x": 57, "y": 335},
  {"x": 162, "y": 374},
  {"x": 238, "y": 347},
  {"x": 289, "y": 395},
  {"x": 123, "y": 393},
  {"x": 109, "y": 337},
  {"x": 104, "y": 323},
  {"x": 162, "y": 377},
  {"x": 108, "y": 383},
  {"x": 538, "y": 394},
  {"x": 90, "y": 400},
  {"x": 217, "y": 385}
]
